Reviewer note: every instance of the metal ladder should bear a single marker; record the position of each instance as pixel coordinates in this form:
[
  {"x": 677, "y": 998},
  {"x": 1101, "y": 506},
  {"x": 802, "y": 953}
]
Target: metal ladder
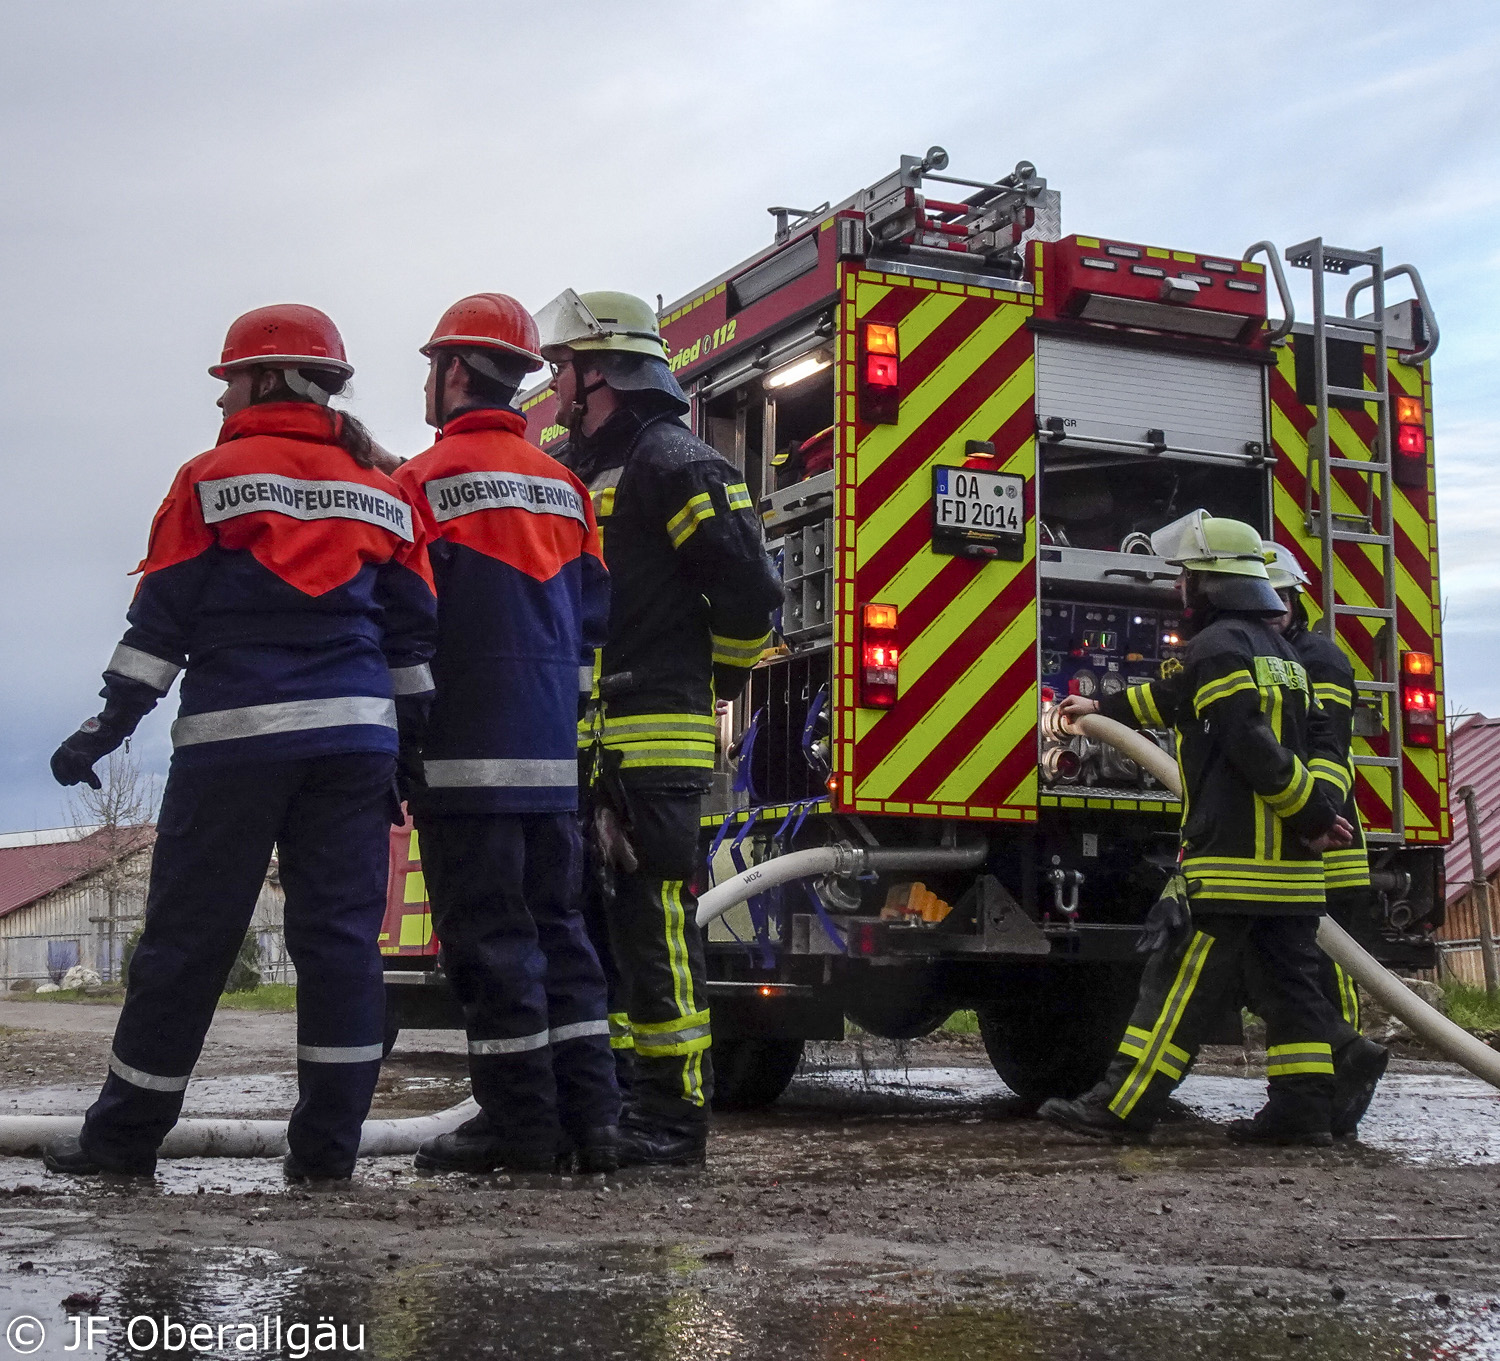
[{"x": 1375, "y": 524}]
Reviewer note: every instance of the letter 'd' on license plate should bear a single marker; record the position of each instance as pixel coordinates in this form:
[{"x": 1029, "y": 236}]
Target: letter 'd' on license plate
[{"x": 978, "y": 514}]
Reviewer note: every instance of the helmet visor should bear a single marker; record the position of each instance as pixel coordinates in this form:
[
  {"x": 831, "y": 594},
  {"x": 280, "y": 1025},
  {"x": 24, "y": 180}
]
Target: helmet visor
[
  {"x": 564, "y": 322},
  {"x": 1183, "y": 540},
  {"x": 1283, "y": 569}
]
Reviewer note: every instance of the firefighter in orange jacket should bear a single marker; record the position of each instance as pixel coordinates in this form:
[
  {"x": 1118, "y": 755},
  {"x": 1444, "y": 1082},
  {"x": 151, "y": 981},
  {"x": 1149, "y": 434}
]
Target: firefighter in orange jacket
[
  {"x": 287, "y": 582},
  {"x": 523, "y": 599}
]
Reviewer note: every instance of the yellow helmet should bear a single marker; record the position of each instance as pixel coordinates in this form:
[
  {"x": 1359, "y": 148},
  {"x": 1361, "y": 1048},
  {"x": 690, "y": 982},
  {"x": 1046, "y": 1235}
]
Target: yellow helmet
[
  {"x": 616, "y": 322},
  {"x": 1283, "y": 569},
  {"x": 1202, "y": 542}
]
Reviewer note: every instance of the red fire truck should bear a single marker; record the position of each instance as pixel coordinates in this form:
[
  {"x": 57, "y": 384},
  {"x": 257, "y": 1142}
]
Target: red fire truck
[{"x": 961, "y": 428}]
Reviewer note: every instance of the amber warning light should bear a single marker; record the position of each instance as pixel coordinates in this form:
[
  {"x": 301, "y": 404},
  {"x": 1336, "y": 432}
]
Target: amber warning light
[
  {"x": 880, "y": 656},
  {"x": 1410, "y": 463}
]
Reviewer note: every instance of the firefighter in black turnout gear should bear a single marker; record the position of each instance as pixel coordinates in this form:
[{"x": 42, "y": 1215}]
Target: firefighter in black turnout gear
[
  {"x": 1358, "y": 1063},
  {"x": 1243, "y": 907},
  {"x": 692, "y": 594}
]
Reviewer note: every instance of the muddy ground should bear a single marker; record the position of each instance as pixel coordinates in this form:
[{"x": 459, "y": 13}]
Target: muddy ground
[{"x": 893, "y": 1204}]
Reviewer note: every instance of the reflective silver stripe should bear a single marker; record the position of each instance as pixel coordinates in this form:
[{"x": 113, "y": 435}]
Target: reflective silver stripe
[
  {"x": 411, "y": 680},
  {"x": 501, "y": 773},
  {"x": 150, "y": 1081},
  {"x": 464, "y": 493},
  {"x": 585, "y": 680},
  {"x": 142, "y": 666},
  {"x": 294, "y": 715},
  {"x": 517, "y": 1046},
  {"x": 327, "y": 1053},
  {"x": 578, "y": 1030},
  {"x": 224, "y": 498}
]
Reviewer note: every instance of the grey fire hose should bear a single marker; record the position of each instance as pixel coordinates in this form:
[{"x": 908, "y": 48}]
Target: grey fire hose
[
  {"x": 1426, "y": 1022},
  {"x": 23, "y": 1134}
]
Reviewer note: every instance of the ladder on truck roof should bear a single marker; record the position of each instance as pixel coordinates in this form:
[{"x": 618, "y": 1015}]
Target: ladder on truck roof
[{"x": 1375, "y": 523}]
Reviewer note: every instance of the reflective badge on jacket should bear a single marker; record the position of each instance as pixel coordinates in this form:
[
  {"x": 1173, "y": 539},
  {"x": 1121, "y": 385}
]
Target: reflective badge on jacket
[
  {"x": 224, "y": 498},
  {"x": 1281, "y": 671},
  {"x": 465, "y": 493}
]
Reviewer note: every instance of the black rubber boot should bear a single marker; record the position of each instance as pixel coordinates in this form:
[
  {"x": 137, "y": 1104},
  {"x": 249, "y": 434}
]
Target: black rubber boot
[
  {"x": 1269, "y": 1127},
  {"x": 1357, "y": 1070},
  {"x": 293, "y": 1170},
  {"x": 1091, "y": 1116},
  {"x": 646, "y": 1143},
  {"x": 590, "y": 1152},
  {"x": 67, "y": 1154},
  {"x": 475, "y": 1147}
]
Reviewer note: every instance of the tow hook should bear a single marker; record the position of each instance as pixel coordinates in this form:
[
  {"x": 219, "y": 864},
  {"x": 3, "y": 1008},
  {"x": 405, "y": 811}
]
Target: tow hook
[{"x": 1065, "y": 887}]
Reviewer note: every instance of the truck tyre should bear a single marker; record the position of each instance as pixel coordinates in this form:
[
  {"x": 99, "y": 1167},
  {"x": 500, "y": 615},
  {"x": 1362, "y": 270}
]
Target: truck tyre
[
  {"x": 750, "y": 1073},
  {"x": 1054, "y": 1029}
]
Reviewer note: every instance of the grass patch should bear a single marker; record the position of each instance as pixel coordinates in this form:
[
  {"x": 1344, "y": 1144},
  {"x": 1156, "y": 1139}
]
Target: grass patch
[
  {"x": 1471, "y": 1007},
  {"x": 267, "y": 997},
  {"x": 961, "y": 1023},
  {"x": 100, "y": 996}
]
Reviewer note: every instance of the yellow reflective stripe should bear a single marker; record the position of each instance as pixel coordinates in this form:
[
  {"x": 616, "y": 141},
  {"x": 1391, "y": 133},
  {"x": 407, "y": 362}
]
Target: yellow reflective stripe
[
  {"x": 1288, "y": 1060},
  {"x": 690, "y": 1021},
  {"x": 1330, "y": 692},
  {"x": 681, "y": 526},
  {"x": 1223, "y": 688},
  {"x": 739, "y": 496},
  {"x": 677, "y": 952},
  {"x": 619, "y": 1031},
  {"x": 633, "y": 756},
  {"x": 1143, "y": 706},
  {"x": 1178, "y": 995},
  {"x": 604, "y": 502},
  {"x": 1293, "y": 799},
  {"x": 739, "y": 651},
  {"x": 1348, "y": 996},
  {"x": 653, "y": 727},
  {"x": 1331, "y": 772}
]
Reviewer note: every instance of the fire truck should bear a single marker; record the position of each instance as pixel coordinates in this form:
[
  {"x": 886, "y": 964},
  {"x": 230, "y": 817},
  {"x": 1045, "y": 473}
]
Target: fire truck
[{"x": 961, "y": 427}]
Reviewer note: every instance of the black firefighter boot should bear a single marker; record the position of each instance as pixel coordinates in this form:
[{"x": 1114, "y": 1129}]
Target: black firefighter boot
[
  {"x": 1091, "y": 1116},
  {"x": 648, "y": 1142},
  {"x": 1296, "y": 1114},
  {"x": 66, "y": 1153},
  {"x": 590, "y": 1152},
  {"x": 475, "y": 1147},
  {"x": 1357, "y": 1070}
]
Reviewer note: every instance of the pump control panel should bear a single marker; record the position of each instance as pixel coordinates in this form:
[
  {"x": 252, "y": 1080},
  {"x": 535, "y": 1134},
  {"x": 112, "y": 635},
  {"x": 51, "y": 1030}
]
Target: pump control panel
[{"x": 1096, "y": 650}]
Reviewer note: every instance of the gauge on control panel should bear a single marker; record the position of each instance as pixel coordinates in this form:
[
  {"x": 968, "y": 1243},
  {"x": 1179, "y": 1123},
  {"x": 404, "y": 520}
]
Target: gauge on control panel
[
  {"x": 1083, "y": 683},
  {"x": 1112, "y": 685}
]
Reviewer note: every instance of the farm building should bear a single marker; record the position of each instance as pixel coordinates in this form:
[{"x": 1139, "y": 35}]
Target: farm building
[
  {"x": 1474, "y": 753},
  {"x": 75, "y": 896}
]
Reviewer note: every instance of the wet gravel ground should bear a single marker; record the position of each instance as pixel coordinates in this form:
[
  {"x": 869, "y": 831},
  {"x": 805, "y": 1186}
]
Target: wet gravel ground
[{"x": 891, "y": 1205}]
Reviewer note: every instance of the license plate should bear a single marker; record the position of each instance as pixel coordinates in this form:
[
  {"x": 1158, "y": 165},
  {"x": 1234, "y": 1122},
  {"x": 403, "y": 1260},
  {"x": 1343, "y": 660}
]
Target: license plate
[{"x": 970, "y": 506}]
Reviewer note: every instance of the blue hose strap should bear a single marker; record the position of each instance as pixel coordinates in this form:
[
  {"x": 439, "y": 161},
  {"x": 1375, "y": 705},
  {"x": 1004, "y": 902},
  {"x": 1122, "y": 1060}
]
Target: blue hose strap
[
  {"x": 743, "y": 782},
  {"x": 814, "y": 712},
  {"x": 825, "y": 921},
  {"x": 719, "y": 841},
  {"x": 759, "y": 911}
]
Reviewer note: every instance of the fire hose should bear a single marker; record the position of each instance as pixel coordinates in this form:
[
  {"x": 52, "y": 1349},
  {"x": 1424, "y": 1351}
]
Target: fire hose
[
  {"x": 1426, "y": 1022},
  {"x": 22, "y": 1134}
]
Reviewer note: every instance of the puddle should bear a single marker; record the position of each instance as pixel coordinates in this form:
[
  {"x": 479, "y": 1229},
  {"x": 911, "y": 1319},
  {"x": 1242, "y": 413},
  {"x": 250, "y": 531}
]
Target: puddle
[{"x": 670, "y": 1304}]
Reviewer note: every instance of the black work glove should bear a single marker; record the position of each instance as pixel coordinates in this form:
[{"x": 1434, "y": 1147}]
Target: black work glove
[
  {"x": 73, "y": 762},
  {"x": 1170, "y": 919}
]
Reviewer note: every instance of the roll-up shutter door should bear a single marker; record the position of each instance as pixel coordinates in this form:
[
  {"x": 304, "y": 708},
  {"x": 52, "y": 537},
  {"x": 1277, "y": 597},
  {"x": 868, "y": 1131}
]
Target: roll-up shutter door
[{"x": 1116, "y": 393}]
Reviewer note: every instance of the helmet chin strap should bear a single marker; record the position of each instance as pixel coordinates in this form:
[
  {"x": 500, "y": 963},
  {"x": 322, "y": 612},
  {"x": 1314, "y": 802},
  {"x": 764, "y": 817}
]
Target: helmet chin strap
[
  {"x": 572, "y": 416},
  {"x": 305, "y": 388}
]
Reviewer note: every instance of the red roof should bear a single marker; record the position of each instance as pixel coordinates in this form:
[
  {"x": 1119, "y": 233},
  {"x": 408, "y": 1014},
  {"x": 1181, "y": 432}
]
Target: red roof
[
  {"x": 1473, "y": 758},
  {"x": 31, "y": 872}
]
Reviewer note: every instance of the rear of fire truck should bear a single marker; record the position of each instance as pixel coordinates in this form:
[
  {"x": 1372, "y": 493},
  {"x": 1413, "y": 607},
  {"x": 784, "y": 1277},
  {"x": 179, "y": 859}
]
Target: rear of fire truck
[{"x": 961, "y": 429}]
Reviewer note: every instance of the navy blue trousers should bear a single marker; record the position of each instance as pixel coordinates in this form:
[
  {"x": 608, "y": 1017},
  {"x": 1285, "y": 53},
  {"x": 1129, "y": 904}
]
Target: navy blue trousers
[
  {"x": 329, "y": 819},
  {"x": 504, "y": 889}
]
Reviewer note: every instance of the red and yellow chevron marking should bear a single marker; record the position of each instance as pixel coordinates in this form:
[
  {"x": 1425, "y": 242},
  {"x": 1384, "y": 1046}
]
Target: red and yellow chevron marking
[
  {"x": 1358, "y": 576},
  {"x": 961, "y": 739},
  {"x": 407, "y": 928}
]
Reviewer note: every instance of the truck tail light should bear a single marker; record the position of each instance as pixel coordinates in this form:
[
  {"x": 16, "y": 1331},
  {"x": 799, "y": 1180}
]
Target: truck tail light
[
  {"x": 1418, "y": 699},
  {"x": 1410, "y": 463},
  {"x": 879, "y": 374},
  {"x": 879, "y": 656}
]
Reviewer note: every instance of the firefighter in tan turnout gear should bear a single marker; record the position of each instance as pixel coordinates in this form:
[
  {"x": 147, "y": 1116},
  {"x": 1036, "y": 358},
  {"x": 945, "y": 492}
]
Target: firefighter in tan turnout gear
[
  {"x": 692, "y": 593},
  {"x": 1243, "y": 907}
]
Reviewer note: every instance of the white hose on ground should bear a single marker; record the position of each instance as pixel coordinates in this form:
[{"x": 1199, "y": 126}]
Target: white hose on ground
[
  {"x": 1426, "y": 1022},
  {"x": 24, "y": 1134}
]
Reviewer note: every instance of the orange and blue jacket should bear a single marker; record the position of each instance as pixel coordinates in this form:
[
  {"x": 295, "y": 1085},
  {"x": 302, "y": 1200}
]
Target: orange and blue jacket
[
  {"x": 523, "y": 601},
  {"x": 290, "y": 587}
]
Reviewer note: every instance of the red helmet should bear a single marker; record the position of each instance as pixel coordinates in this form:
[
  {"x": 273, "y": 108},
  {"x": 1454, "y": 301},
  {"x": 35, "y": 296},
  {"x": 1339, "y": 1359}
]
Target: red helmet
[
  {"x": 492, "y": 321},
  {"x": 286, "y": 335}
]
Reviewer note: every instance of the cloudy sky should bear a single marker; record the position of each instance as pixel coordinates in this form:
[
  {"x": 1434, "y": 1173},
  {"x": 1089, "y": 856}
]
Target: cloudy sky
[{"x": 166, "y": 165}]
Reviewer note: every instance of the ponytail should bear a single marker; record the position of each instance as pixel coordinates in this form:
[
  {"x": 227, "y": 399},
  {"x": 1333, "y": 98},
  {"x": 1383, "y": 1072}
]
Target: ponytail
[{"x": 314, "y": 386}]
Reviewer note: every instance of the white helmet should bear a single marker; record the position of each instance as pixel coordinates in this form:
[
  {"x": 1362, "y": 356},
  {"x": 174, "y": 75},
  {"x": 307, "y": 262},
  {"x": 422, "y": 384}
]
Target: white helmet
[{"x": 1283, "y": 569}]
